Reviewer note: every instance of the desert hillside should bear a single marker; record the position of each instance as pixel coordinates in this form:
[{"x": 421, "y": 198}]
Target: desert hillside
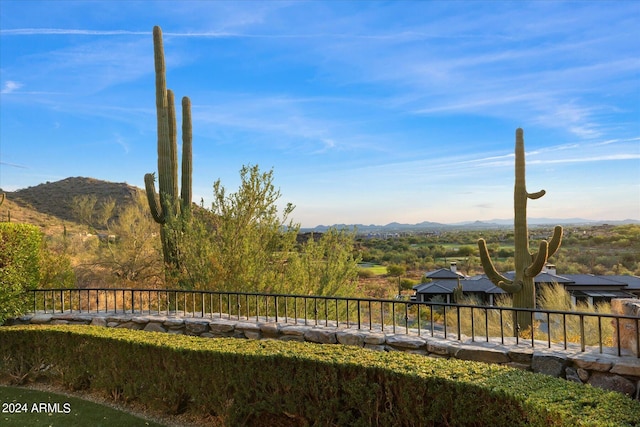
[{"x": 49, "y": 205}]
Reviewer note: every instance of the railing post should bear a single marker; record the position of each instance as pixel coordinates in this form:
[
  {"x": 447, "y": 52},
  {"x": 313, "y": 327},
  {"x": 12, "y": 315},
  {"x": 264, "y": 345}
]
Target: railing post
[
  {"x": 582, "y": 337},
  {"x": 406, "y": 318},
  {"x": 473, "y": 325},
  {"x": 348, "y": 325},
  {"x": 486, "y": 323},
  {"x": 393, "y": 316},
  {"x": 533, "y": 329},
  {"x": 315, "y": 311},
  {"x": 637, "y": 337},
  {"x": 326, "y": 312},
  {"x": 549, "y": 332},
  {"x": 564, "y": 329},
  {"x": 618, "y": 337},
  {"x": 431, "y": 320}
]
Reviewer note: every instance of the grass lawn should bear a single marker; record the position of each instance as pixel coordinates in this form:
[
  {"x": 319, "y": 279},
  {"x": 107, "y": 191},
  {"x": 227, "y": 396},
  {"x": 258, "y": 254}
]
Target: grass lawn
[
  {"x": 24, "y": 408},
  {"x": 376, "y": 269}
]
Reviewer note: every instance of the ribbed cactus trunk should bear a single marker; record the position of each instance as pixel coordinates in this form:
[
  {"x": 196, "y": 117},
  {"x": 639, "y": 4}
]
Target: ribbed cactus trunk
[
  {"x": 169, "y": 204},
  {"x": 527, "y": 295},
  {"x": 527, "y": 265}
]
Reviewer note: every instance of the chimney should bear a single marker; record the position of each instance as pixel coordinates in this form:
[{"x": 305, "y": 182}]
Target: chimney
[
  {"x": 550, "y": 269},
  {"x": 454, "y": 267}
]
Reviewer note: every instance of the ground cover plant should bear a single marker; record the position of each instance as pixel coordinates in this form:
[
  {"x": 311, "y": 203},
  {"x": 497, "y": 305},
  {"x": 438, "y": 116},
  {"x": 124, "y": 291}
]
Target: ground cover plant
[
  {"x": 23, "y": 407},
  {"x": 244, "y": 382}
]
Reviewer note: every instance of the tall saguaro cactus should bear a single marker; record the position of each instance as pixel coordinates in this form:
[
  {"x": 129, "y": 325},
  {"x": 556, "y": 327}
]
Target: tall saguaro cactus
[
  {"x": 169, "y": 204},
  {"x": 528, "y": 265}
]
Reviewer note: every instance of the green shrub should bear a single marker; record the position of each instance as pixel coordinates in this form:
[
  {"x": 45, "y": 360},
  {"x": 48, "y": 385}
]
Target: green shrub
[
  {"x": 407, "y": 284},
  {"x": 19, "y": 266},
  {"x": 244, "y": 382},
  {"x": 364, "y": 273}
]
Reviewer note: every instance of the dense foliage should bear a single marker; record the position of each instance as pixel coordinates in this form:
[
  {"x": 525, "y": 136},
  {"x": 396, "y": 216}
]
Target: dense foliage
[
  {"x": 19, "y": 266},
  {"x": 603, "y": 249},
  {"x": 244, "y": 244},
  {"x": 241, "y": 243},
  {"x": 249, "y": 381}
]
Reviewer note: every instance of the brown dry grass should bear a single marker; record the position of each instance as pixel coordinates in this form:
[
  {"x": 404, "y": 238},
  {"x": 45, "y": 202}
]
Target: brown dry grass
[{"x": 49, "y": 205}]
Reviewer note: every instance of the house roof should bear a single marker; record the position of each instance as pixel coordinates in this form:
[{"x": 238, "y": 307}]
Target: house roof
[
  {"x": 604, "y": 294},
  {"x": 441, "y": 287},
  {"x": 478, "y": 284},
  {"x": 495, "y": 290},
  {"x": 543, "y": 278},
  {"x": 445, "y": 281},
  {"x": 444, "y": 273},
  {"x": 593, "y": 280},
  {"x": 632, "y": 282}
]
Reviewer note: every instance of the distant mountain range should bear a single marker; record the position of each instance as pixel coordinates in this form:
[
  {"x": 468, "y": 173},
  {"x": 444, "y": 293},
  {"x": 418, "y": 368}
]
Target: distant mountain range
[
  {"x": 426, "y": 226},
  {"x": 55, "y": 199}
]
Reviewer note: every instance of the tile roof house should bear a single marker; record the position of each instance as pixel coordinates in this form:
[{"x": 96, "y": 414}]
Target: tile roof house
[
  {"x": 450, "y": 273},
  {"x": 632, "y": 282},
  {"x": 582, "y": 287}
]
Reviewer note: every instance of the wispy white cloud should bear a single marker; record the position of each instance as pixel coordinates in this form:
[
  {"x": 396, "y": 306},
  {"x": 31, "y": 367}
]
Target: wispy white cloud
[
  {"x": 67, "y": 31},
  {"x": 13, "y": 165},
  {"x": 616, "y": 141},
  {"x": 10, "y": 86},
  {"x": 602, "y": 158},
  {"x": 118, "y": 139},
  {"x": 400, "y": 36}
]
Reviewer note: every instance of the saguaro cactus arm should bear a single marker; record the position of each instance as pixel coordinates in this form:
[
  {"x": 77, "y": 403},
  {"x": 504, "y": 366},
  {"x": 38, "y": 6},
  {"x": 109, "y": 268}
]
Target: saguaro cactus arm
[
  {"x": 154, "y": 205},
  {"x": 538, "y": 260},
  {"x": 490, "y": 270},
  {"x": 187, "y": 154},
  {"x": 536, "y": 195},
  {"x": 552, "y": 247},
  {"x": 173, "y": 144},
  {"x": 556, "y": 239}
]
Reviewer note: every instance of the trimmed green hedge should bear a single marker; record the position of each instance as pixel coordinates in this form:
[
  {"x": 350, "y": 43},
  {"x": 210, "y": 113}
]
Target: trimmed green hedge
[
  {"x": 245, "y": 382},
  {"x": 19, "y": 266}
]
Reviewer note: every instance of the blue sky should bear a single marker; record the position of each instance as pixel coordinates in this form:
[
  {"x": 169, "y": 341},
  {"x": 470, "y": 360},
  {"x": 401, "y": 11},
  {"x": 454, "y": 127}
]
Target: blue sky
[{"x": 368, "y": 111}]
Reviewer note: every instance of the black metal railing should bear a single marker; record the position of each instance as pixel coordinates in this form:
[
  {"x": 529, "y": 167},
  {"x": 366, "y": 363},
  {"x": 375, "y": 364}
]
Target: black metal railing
[{"x": 567, "y": 329}]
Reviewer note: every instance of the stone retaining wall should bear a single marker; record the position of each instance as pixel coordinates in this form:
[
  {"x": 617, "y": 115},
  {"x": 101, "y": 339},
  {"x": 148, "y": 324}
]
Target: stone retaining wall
[{"x": 605, "y": 370}]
